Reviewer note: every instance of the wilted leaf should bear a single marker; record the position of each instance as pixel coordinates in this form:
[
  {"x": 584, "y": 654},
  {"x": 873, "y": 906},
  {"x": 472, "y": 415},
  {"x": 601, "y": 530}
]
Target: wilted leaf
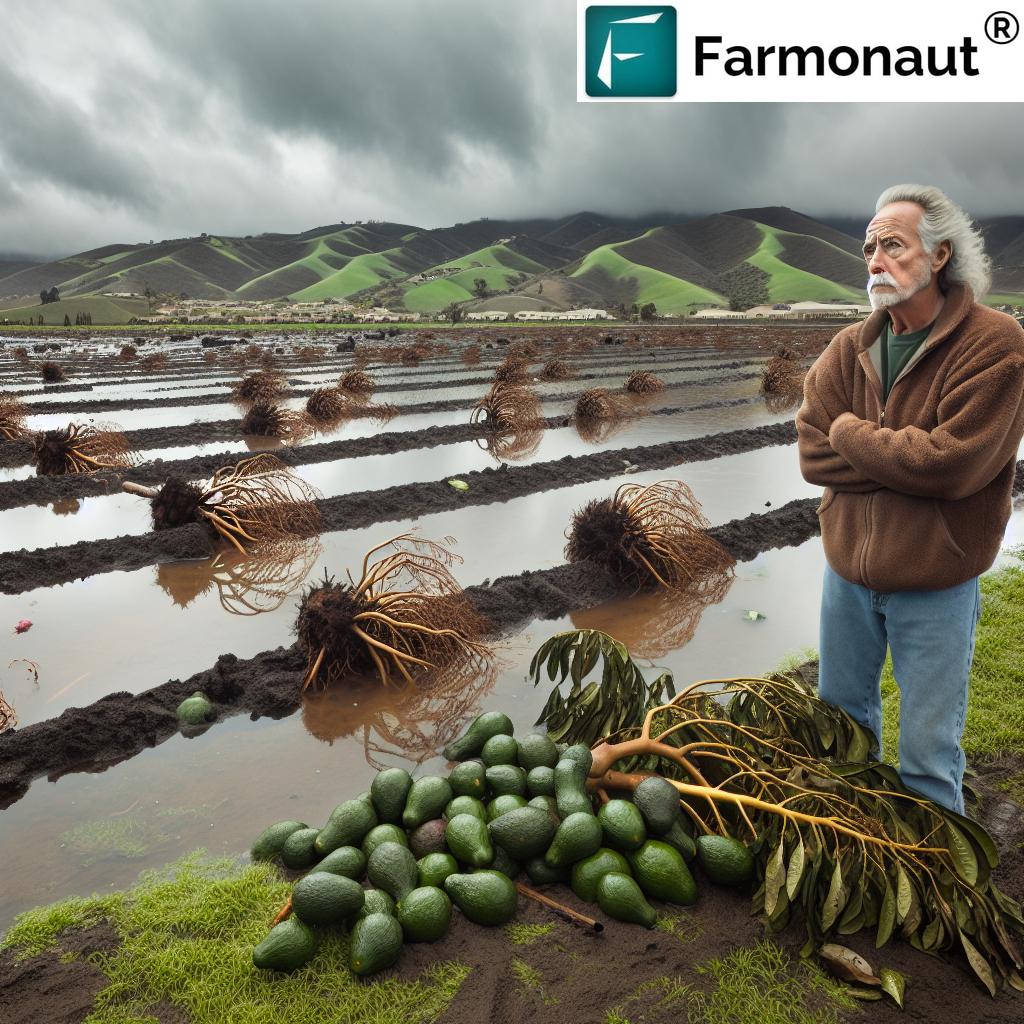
[
  {"x": 458, "y": 485},
  {"x": 962, "y": 852},
  {"x": 893, "y": 984},
  {"x": 796, "y": 869},
  {"x": 886, "y": 917},
  {"x": 835, "y": 899},
  {"x": 844, "y": 963},
  {"x": 774, "y": 879},
  {"x": 978, "y": 964},
  {"x": 867, "y": 995}
]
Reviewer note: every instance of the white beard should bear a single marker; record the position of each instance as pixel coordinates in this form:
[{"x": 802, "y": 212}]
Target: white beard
[{"x": 883, "y": 300}]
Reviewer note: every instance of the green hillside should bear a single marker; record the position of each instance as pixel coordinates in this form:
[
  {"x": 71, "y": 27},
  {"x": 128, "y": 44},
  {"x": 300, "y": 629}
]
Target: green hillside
[
  {"x": 607, "y": 271},
  {"x": 788, "y": 283},
  {"x": 102, "y": 309}
]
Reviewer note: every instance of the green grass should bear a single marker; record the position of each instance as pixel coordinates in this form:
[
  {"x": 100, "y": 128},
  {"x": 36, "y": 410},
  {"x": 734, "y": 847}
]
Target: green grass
[
  {"x": 187, "y": 935},
  {"x": 498, "y": 256},
  {"x": 530, "y": 978},
  {"x": 102, "y": 308},
  {"x": 1013, "y": 786},
  {"x": 360, "y": 272},
  {"x": 995, "y": 706},
  {"x": 670, "y": 294},
  {"x": 682, "y": 925},
  {"x": 1004, "y": 298},
  {"x": 789, "y": 283},
  {"x": 527, "y": 934},
  {"x": 432, "y": 296}
]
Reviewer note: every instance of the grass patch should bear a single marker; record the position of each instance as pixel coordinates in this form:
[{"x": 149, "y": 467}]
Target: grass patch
[
  {"x": 656, "y": 994},
  {"x": 529, "y": 977},
  {"x": 685, "y": 927},
  {"x": 187, "y": 934},
  {"x": 527, "y": 934},
  {"x": 995, "y": 706},
  {"x": 1013, "y": 787}
]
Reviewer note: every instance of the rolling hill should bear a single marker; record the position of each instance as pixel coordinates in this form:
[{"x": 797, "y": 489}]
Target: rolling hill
[{"x": 743, "y": 256}]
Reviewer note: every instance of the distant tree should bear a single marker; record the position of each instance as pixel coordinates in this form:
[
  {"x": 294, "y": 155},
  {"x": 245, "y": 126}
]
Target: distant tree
[
  {"x": 480, "y": 287},
  {"x": 648, "y": 311},
  {"x": 151, "y": 297},
  {"x": 454, "y": 313},
  {"x": 540, "y": 288},
  {"x": 48, "y": 295},
  {"x": 67, "y": 320}
]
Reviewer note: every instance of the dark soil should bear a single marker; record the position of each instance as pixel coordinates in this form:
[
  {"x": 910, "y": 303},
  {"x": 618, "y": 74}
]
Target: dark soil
[
  {"x": 26, "y": 570},
  {"x": 120, "y": 725},
  {"x": 577, "y": 975}
]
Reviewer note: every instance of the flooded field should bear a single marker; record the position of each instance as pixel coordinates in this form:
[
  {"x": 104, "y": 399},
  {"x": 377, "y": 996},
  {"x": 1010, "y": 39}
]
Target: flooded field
[{"x": 110, "y": 621}]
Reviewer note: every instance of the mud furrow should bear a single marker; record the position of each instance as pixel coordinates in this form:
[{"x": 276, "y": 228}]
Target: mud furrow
[
  {"x": 26, "y": 570},
  {"x": 120, "y": 725}
]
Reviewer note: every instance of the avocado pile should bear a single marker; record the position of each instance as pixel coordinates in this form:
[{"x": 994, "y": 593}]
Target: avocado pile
[{"x": 506, "y": 807}]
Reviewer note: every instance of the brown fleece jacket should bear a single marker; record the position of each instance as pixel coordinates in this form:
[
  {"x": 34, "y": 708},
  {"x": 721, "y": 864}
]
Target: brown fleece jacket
[{"x": 917, "y": 489}]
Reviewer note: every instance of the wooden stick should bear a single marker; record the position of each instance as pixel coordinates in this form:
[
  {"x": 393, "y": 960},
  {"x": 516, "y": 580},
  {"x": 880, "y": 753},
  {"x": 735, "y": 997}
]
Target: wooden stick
[
  {"x": 142, "y": 492},
  {"x": 560, "y": 908},
  {"x": 282, "y": 913}
]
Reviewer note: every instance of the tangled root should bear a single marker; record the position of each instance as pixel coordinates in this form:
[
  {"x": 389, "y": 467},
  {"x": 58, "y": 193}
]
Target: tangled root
[
  {"x": 154, "y": 361},
  {"x": 507, "y": 409},
  {"x": 263, "y": 386},
  {"x": 642, "y": 383},
  {"x": 406, "y": 616},
  {"x": 8, "y": 716},
  {"x": 556, "y": 369},
  {"x": 265, "y": 420},
  {"x": 12, "y": 418},
  {"x": 356, "y": 382},
  {"x": 210, "y": 357},
  {"x": 21, "y": 354},
  {"x": 514, "y": 370},
  {"x": 782, "y": 382},
  {"x": 53, "y": 373},
  {"x": 598, "y": 404},
  {"x": 127, "y": 353},
  {"x": 471, "y": 355},
  {"x": 413, "y": 356},
  {"x": 327, "y": 405},
  {"x": 82, "y": 449},
  {"x": 648, "y": 535}
]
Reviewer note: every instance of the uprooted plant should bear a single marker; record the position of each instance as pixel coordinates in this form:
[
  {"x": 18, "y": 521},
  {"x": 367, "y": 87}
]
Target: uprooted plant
[
  {"x": 511, "y": 415},
  {"x": 327, "y": 405},
  {"x": 262, "y": 386},
  {"x": 650, "y": 535},
  {"x": 640, "y": 382},
  {"x": 257, "y": 502},
  {"x": 782, "y": 379},
  {"x": 8, "y": 716},
  {"x": 599, "y": 404},
  {"x": 768, "y": 762},
  {"x": 556, "y": 369},
  {"x": 356, "y": 382},
  {"x": 52, "y": 373},
  {"x": 406, "y": 616},
  {"x": 266, "y": 420},
  {"x": 514, "y": 369},
  {"x": 82, "y": 448},
  {"x": 12, "y": 418}
]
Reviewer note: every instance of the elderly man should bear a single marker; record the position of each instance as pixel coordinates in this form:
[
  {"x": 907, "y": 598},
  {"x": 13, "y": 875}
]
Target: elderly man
[{"x": 911, "y": 421}]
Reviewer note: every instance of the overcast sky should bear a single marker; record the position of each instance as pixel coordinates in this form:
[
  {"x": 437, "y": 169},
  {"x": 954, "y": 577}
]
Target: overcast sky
[{"x": 126, "y": 120}]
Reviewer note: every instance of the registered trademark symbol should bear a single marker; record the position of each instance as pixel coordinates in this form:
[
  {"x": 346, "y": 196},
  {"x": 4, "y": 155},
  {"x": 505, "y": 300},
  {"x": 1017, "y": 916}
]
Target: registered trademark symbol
[{"x": 1001, "y": 27}]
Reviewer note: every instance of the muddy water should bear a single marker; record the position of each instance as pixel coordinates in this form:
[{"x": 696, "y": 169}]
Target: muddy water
[{"x": 67, "y": 522}]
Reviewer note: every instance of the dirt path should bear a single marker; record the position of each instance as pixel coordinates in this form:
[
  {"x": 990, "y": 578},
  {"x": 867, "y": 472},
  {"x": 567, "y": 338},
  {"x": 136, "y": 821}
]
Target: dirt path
[{"x": 43, "y": 567}]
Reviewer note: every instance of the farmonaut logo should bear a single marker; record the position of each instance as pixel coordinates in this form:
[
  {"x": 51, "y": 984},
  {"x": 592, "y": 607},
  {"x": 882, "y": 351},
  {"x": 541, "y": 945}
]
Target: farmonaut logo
[{"x": 630, "y": 51}]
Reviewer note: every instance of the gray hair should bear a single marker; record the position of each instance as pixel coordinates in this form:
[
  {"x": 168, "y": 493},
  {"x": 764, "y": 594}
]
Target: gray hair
[{"x": 944, "y": 221}]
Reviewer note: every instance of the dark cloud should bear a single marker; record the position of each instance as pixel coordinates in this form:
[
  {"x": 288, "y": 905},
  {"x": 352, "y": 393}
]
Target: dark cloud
[{"x": 146, "y": 120}]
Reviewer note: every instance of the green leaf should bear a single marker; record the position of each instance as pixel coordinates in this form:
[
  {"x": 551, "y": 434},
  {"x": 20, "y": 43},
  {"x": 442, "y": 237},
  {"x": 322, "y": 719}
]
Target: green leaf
[
  {"x": 835, "y": 899},
  {"x": 774, "y": 879},
  {"x": 978, "y": 963},
  {"x": 886, "y": 917},
  {"x": 796, "y": 869},
  {"x": 458, "y": 485},
  {"x": 893, "y": 984},
  {"x": 965, "y": 862},
  {"x": 753, "y": 616},
  {"x": 904, "y": 893}
]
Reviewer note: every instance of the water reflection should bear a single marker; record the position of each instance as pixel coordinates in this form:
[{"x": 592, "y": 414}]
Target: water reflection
[
  {"x": 245, "y": 584},
  {"x": 66, "y": 506}
]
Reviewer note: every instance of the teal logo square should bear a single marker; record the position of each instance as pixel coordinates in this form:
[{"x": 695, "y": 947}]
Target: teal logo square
[{"x": 630, "y": 51}]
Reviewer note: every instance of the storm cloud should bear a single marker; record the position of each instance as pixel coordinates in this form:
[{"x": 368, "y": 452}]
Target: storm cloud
[{"x": 124, "y": 120}]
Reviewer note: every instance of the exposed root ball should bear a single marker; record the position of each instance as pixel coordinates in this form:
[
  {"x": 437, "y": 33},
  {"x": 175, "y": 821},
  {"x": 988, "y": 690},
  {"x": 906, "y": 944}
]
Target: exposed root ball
[
  {"x": 12, "y": 418},
  {"x": 154, "y": 361},
  {"x": 642, "y": 383},
  {"x": 507, "y": 409},
  {"x": 52, "y": 372},
  {"x": 413, "y": 356},
  {"x": 406, "y": 616},
  {"x": 327, "y": 405},
  {"x": 8, "y": 716},
  {"x": 127, "y": 353},
  {"x": 82, "y": 449},
  {"x": 557, "y": 369},
  {"x": 262, "y": 386},
  {"x": 471, "y": 355},
  {"x": 176, "y": 504},
  {"x": 21, "y": 354},
  {"x": 598, "y": 404},
  {"x": 357, "y": 382},
  {"x": 647, "y": 535},
  {"x": 514, "y": 370},
  {"x": 783, "y": 380},
  {"x": 265, "y": 420}
]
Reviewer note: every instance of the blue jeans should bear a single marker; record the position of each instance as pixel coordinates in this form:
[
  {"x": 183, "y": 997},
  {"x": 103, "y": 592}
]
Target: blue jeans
[{"x": 931, "y": 635}]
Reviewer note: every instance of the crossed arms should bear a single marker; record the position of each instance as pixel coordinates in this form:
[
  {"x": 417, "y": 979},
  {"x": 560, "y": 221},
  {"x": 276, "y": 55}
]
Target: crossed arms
[{"x": 980, "y": 423}]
